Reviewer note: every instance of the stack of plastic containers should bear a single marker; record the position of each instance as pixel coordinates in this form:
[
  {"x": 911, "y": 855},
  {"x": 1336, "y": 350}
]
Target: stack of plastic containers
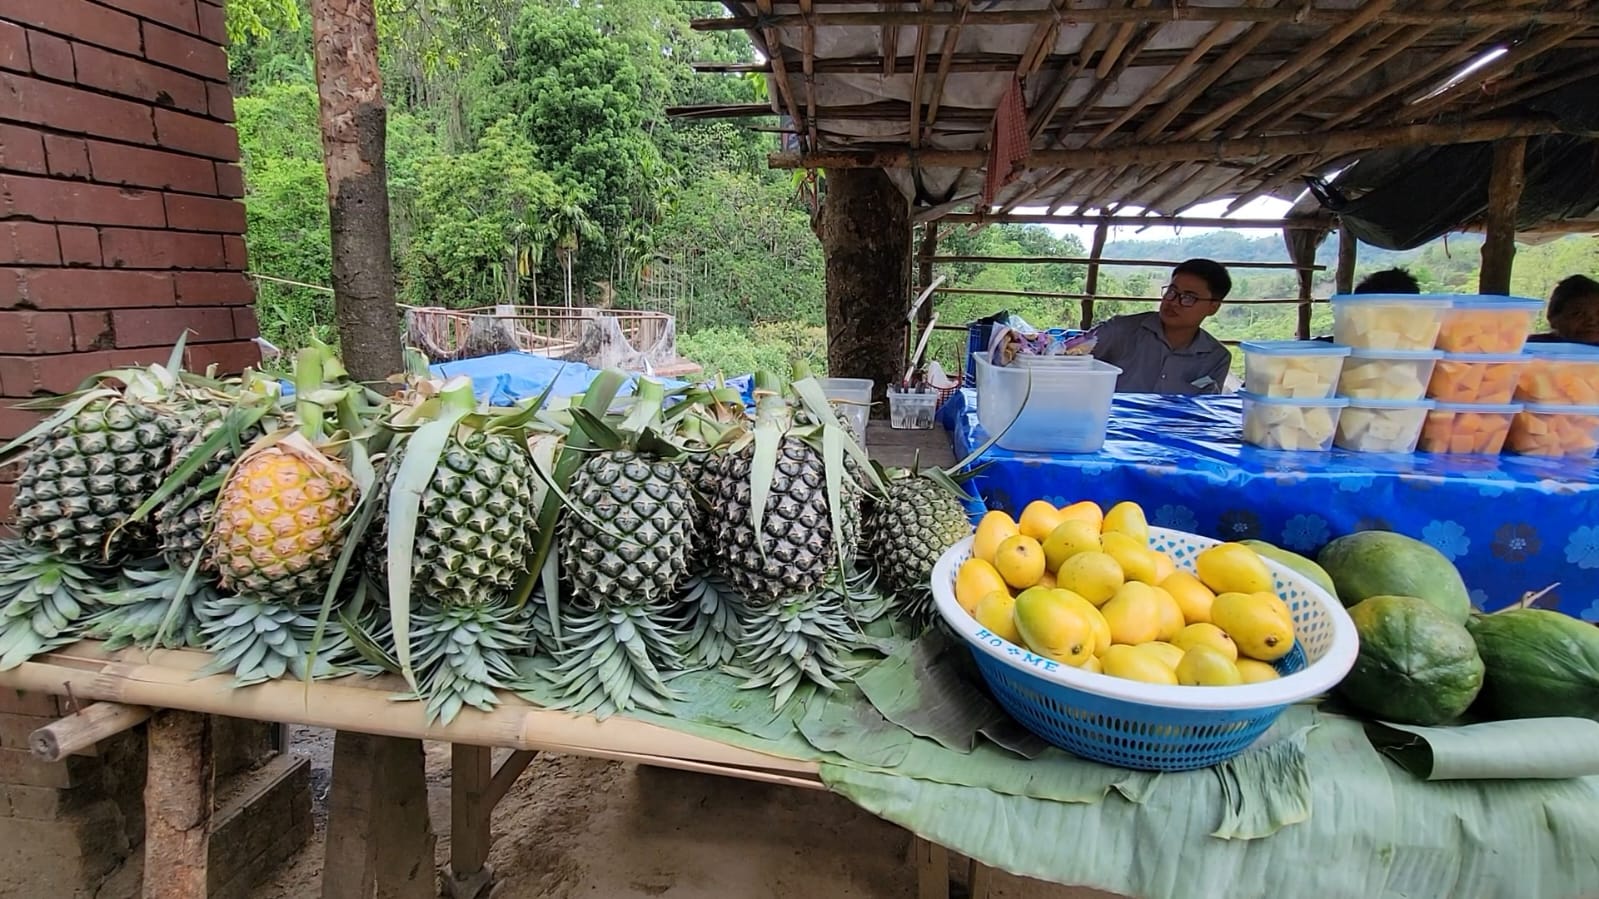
[
  {"x": 1288, "y": 393},
  {"x": 1474, "y": 384},
  {"x": 1392, "y": 357},
  {"x": 1560, "y": 387}
]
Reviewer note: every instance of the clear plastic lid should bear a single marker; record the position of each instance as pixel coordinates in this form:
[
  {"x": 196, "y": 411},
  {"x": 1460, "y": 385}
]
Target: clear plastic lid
[
  {"x": 1294, "y": 348},
  {"x": 1476, "y": 302},
  {"x": 1420, "y": 300},
  {"x": 1579, "y": 351},
  {"x": 1486, "y": 408},
  {"x": 1486, "y": 357},
  {"x": 1399, "y": 355},
  {"x": 1332, "y": 402},
  {"x": 1392, "y": 404},
  {"x": 1543, "y": 409}
]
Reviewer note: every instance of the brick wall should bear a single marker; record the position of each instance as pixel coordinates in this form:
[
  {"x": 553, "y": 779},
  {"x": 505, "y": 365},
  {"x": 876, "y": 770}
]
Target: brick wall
[{"x": 120, "y": 218}]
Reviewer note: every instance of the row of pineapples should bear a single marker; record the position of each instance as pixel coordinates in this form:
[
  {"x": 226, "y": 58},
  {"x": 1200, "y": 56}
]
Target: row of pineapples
[{"x": 586, "y": 548}]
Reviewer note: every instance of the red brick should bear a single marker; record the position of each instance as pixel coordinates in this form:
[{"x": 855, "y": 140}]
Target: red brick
[
  {"x": 13, "y": 47},
  {"x": 80, "y": 245},
  {"x": 29, "y": 243},
  {"x": 235, "y": 252},
  {"x": 92, "y": 331},
  {"x": 22, "y": 150},
  {"x": 134, "y": 248},
  {"x": 213, "y": 289},
  {"x": 29, "y": 375},
  {"x": 176, "y": 131},
  {"x": 245, "y": 323},
  {"x": 230, "y": 180},
  {"x": 138, "y": 167},
  {"x": 80, "y": 20},
  {"x": 13, "y": 289},
  {"x": 79, "y": 289},
  {"x": 130, "y": 77},
  {"x": 213, "y": 24},
  {"x": 219, "y": 101},
  {"x": 161, "y": 327},
  {"x": 189, "y": 213},
  {"x": 36, "y": 333},
  {"x": 65, "y": 108},
  {"x": 229, "y": 358},
  {"x": 177, "y": 13},
  {"x": 14, "y": 423},
  {"x": 51, "y": 56},
  {"x": 50, "y": 200},
  {"x": 180, "y": 51},
  {"x": 69, "y": 156}
]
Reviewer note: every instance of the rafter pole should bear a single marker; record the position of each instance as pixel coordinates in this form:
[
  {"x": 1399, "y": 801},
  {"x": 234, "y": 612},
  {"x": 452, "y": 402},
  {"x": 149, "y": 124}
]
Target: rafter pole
[
  {"x": 1504, "y": 197},
  {"x": 1308, "y": 223},
  {"x": 808, "y": 67},
  {"x": 952, "y": 35},
  {"x": 1293, "y": 14},
  {"x": 774, "y": 52},
  {"x": 1091, "y": 281}
]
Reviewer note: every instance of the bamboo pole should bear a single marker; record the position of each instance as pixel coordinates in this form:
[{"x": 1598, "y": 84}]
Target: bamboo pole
[
  {"x": 78, "y": 733},
  {"x": 1444, "y": 62},
  {"x": 1504, "y": 196},
  {"x": 178, "y": 802},
  {"x": 1056, "y": 295},
  {"x": 1236, "y": 52},
  {"x": 945, "y": 56},
  {"x": 1348, "y": 248},
  {"x": 1536, "y": 46},
  {"x": 1187, "y": 151},
  {"x": 1049, "y": 103},
  {"x": 774, "y": 52},
  {"x": 918, "y": 71},
  {"x": 1294, "y": 14},
  {"x": 1091, "y": 281},
  {"x": 1309, "y": 223},
  {"x": 1085, "y": 260},
  {"x": 808, "y": 70},
  {"x": 1176, "y": 73}
]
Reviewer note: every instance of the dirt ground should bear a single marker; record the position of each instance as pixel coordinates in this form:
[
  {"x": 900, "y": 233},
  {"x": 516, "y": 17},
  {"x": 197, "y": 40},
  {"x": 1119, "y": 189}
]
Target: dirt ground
[{"x": 576, "y": 827}]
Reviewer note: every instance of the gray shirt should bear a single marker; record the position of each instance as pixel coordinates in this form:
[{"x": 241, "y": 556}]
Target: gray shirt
[{"x": 1137, "y": 345}]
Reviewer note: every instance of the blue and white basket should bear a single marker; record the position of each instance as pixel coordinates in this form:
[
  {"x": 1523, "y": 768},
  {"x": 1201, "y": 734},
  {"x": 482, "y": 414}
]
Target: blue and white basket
[{"x": 1156, "y": 727}]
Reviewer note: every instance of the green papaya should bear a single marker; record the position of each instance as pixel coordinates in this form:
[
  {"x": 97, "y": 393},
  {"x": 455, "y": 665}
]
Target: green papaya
[
  {"x": 1382, "y": 563},
  {"x": 1305, "y": 567},
  {"x": 1416, "y": 664},
  {"x": 1541, "y": 664}
]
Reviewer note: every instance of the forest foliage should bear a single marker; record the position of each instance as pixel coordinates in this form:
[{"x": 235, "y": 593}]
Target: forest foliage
[{"x": 532, "y": 162}]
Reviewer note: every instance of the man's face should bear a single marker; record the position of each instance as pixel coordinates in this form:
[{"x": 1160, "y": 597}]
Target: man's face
[{"x": 1192, "y": 290}]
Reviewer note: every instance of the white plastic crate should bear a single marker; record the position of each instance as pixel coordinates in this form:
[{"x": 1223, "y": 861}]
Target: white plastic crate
[{"x": 1067, "y": 407}]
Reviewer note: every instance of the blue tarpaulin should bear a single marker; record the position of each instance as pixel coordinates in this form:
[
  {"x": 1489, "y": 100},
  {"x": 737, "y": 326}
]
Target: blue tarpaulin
[{"x": 1511, "y": 524}]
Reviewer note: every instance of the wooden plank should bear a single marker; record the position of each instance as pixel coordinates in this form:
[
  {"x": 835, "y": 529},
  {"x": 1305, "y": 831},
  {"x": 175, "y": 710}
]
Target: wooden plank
[
  {"x": 1288, "y": 13},
  {"x": 1308, "y": 223},
  {"x": 177, "y": 806},
  {"x": 380, "y": 841},
  {"x": 79, "y": 733},
  {"x": 1086, "y": 260},
  {"x": 471, "y": 808},
  {"x": 1504, "y": 196}
]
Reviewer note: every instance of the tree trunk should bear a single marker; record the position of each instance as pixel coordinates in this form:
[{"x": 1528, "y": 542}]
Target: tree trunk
[
  {"x": 177, "y": 806},
  {"x": 865, "y": 229},
  {"x": 1505, "y": 183},
  {"x": 353, "y": 122}
]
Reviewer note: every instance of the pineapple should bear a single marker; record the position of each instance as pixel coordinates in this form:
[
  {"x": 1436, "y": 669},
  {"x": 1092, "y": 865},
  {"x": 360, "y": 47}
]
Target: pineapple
[
  {"x": 44, "y": 601},
  {"x": 208, "y": 443},
  {"x": 921, "y": 516},
  {"x": 468, "y": 551},
  {"x": 152, "y": 606},
  {"x": 802, "y": 638}
]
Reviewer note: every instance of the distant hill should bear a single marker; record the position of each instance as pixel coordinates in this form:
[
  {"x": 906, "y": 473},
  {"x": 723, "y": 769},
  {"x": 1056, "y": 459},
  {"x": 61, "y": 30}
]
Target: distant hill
[{"x": 1231, "y": 246}]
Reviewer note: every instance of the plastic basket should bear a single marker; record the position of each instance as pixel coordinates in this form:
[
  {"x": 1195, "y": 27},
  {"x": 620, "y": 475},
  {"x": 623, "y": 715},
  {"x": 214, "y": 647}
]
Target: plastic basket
[{"x": 1155, "y": 727}]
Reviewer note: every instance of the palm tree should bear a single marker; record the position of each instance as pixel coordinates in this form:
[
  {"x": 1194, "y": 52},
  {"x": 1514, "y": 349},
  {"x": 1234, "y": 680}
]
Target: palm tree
[{"x": 571, "y": 225}]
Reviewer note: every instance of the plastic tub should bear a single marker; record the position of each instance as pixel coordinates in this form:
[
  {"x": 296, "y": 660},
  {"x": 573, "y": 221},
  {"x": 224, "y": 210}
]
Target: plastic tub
[
  {"x": 1476, "y": 377},
  {"x": 909, "y": 410},
  {"x": 1571, "y": 431},
  {"x": 852, "y": 398},
  {"x": 1284, "y": 423},
  {"x": 1066, "y": 411},
  {"x": 1382, "y": 426},
  {"x": 1305, "y": 369},
  {"x": 1467, "y": 428},
  {"x": 1488, "y": 324},
  {"x": 1387, "y": 374},
  {"x": 1383, "y": 321},
  {"x": 1560, "y": 374}
]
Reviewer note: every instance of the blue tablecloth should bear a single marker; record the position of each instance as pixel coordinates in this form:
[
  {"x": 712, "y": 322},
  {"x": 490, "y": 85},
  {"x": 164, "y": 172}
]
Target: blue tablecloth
[{"x": 1510, "y": 523}]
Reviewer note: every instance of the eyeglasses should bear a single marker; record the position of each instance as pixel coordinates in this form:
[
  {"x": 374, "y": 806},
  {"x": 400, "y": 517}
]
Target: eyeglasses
[{"x": 1184, "y": 298}]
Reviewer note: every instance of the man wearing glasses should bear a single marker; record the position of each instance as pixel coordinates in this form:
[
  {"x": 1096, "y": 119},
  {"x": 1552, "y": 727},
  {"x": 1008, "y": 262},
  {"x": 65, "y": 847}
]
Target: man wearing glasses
[{"x": 1167, "y": 351}]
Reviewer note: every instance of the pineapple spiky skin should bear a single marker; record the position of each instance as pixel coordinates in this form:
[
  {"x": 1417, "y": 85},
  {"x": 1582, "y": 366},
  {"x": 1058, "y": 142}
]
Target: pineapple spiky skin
[
  {"x": 83, "y": 479},
  {"x": 280, "y": 522},
  {"x": 701, "y": 470},
  {"x": 647, "y": 505},
  {"x": 183, "y": 522},
  {"x": 908, "y": 530},
  {"x": 798, "y": 542}
]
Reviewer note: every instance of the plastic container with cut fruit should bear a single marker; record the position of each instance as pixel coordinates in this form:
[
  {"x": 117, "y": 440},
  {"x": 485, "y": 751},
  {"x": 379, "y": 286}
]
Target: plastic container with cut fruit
[
  {"x": 1560, "y": 374},
  {"x": 1487, "y": 324},
  {"x": 1303, "y": 369},
  {"x": 1467, "y": 428},
  {"x": 1571, "y": 431},
  {"x": 1387, "y": 374},
  {"x": 1284, "y": 423},
  {"x": 1381, "y": 426},
  {"x": 1383, "y": 321},
  {"x": 1477, "y": 378}
]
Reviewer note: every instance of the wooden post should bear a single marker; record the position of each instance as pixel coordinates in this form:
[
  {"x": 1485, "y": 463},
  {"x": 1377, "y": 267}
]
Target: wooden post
[
  {"x": 932, "y": 869},
  {"x": 77, "y": 733},
  {"x": 380, "y": 841},
  {"x": 1504, "y": 196},
  {"x": 471, "y": 807},
  {"x": 177, "y": 806},
  {"x": 866, "y": 239},
  {"x": 1344, "y": 277},
  {"x": 924, "y": 273},
  {"x": 1091, "y": 282}
]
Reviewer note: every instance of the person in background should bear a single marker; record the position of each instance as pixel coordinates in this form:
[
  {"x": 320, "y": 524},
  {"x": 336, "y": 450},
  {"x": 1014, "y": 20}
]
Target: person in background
[
  {"x": 1573, "y": 312},
  {"x": 1167, "y": 351},
  {"x": 1389, "y": 280}
]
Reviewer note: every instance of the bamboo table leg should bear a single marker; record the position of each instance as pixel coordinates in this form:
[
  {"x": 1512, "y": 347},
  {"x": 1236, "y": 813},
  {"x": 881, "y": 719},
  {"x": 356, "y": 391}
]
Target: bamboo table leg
[
  {"x": 177, "y": 806},
  {"x": 380, "y": 841},
  {"x": 932, "y": 869},
  {"x": 471, "y": 773},
  {"x": 979, "y": 879}
]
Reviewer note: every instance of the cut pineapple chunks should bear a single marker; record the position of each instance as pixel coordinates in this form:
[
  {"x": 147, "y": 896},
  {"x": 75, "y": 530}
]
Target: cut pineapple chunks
[
  {"x": 1286, "y": 426},
  {"x": 1465, "y": 430},
  {"x": 1548, "y": 432},
  {"x": 1378, "y": 429},
  {"x": 1299, "y": 377},
  {"x": 1379, "y": 378},
  {"x": 1465, "y": 381},
  {"x": 1403, "y": 323},
  {"x": 1502, "y": 329}
]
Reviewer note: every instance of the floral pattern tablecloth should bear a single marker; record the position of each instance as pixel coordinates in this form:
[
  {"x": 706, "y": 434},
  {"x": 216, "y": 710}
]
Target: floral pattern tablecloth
[{"x": 1511, "y": 524}]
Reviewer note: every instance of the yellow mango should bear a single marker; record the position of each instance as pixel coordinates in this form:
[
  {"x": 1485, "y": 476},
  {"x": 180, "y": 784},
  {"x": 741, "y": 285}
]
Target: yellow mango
[
  {"x": 974, "y": 580},
  {"x": 1233, "y": 568},
  {"x": 994, "y": 529},
  {"x": 1133, "y": 614},
  {"x": 1127, "y": 518},
  {"x": 1053, "y": 627}
]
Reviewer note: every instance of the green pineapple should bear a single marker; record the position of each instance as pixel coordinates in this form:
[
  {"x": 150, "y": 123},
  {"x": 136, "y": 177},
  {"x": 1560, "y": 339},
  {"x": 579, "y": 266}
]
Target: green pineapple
[
  {"x": 805, "y": 638},
  {"x": 152, "y": 606},
  {"x": 921, "y": 516},
  {"x": 45, "y": 601}
]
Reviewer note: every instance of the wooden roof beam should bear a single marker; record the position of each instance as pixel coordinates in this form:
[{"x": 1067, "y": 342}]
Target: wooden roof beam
[
  {"x": 1295, "y": 14},
  {"x": 1138, "y": 221}
]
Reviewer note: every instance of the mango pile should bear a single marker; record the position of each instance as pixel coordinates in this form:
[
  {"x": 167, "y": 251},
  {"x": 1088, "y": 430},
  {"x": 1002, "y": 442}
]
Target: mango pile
[{"x": 1083, "y": 587}]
